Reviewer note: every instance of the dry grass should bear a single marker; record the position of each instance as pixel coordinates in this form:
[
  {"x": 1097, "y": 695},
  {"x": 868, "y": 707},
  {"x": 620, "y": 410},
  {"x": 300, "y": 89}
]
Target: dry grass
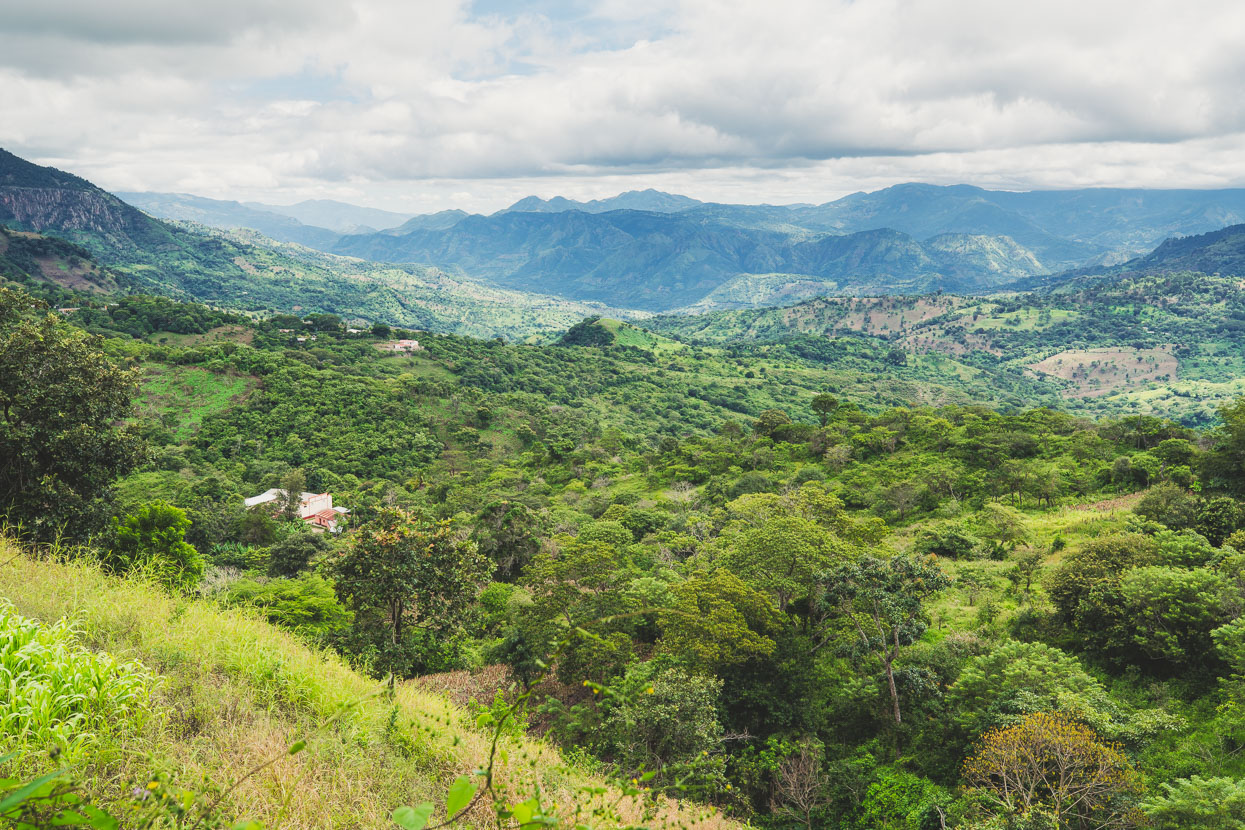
[
  {"x": 1094, "y": 372},
  {"x": 237, "y": 691}
]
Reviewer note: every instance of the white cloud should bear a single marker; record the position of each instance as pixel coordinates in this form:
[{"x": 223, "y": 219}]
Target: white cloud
[{"x": 411, "y": 104}]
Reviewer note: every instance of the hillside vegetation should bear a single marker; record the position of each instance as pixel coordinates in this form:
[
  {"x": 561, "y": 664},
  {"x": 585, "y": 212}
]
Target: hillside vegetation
[
  {"x": 754, "y": 575},
  {"x": 1166, "y": 344},
  {"x": 213, "y": 694}
]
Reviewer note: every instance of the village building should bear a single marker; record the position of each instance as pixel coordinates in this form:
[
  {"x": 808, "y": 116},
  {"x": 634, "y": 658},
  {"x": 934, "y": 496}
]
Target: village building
[
  {"x": 401, "y": 346},
  {"x": 315, "y": 509}
]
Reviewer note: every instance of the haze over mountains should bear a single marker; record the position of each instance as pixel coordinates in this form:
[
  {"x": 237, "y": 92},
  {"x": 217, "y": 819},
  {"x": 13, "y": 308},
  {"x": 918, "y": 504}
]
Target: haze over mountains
[
  {"x": 659, "y": 251},
  {"x": 653, "y": 251}
]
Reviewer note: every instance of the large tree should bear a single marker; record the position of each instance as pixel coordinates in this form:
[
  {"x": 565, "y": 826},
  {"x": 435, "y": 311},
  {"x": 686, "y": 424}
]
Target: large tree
[
  {"x": 62, "y": 407},
  {"x": 883, "y": 601},
  {"x": 401, "y": 572},
  {"x": 1047, "y": 763}
]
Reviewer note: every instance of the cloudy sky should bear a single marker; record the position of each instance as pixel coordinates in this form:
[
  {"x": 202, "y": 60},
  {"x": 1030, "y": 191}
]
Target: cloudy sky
[{"x": 427, "y": 104}]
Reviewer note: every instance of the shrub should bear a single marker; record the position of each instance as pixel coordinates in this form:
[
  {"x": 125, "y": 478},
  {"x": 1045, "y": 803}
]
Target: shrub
[
  {"x": 1170, "y": 505},
  {"x": 154, "y": 540},
  {"x": 950, "y": 541}
]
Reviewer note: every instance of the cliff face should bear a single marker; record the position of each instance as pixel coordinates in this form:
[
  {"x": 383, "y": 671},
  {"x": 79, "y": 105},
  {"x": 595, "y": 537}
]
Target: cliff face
[{"x": 45, "y": 208}]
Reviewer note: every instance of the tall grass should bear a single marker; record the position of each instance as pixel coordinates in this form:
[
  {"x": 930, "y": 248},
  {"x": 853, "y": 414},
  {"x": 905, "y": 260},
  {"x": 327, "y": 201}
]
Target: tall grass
[{"x": 57, "y": 696}]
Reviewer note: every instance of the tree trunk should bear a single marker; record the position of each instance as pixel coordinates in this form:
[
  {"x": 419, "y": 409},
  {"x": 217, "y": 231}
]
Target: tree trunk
[{"x": 890, "y": 681}]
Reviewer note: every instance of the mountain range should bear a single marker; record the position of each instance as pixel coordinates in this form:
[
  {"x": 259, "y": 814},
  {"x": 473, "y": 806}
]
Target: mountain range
[
  {"x": 661, "y": 252},
  {"x": 647, "y": 250}
]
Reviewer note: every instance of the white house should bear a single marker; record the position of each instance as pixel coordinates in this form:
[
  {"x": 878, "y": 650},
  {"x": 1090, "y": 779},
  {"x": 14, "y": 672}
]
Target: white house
[{"x": 316, "y": 509}]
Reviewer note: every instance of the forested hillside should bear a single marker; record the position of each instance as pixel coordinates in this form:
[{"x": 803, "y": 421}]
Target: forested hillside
[
  {"x": 1166, "y": 344},
  {"x": 811, "y": 582}
]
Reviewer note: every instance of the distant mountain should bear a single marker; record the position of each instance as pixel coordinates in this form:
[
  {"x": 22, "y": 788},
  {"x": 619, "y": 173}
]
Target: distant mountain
[
  {"x": 217, "y": 213},
  {"x": 429, "y": 222},
  {"x": 44, "y": 199},
  {"x": 1217, "y": 252},
  {"x": 336, "y": 216},
  {"x": 655, "y": 261},
  {"x": 240, "y": 270},
  {"x": 651, "y": 200}
]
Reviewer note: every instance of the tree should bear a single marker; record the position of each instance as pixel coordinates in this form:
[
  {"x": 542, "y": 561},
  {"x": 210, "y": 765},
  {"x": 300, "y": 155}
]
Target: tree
[
  {"x": 824, "y": 406},
  {"x": 292, "y": 484},
  {"x": 952, "y": 541},
  {"x": 717, "y": 622},
  {"x": 782, "y": 557},
  {"x": 1049, "y": 762},
  {"x": 770, "y": 420},
  {"x": 1197, "y": 802},
  {"x": 62, "y": 407},
  {"x": 153, "y": 539},
  {"x": 292, "y": 554},
  {"x": 1168, "y": 504},
  {"x": 1218, "y": 518},
  {"x": 883, "y": 600},
  {"x": 1171, "y": 612},
  {"x": 507, "y": 533},
  {"x": 1016, "y": 679},
  {"x": 1224, "y": 465},
  {"x": 402, "y": 571}
]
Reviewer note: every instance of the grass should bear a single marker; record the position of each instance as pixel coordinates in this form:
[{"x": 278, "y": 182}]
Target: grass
[
  {"x": 61, "y": 695},
  {"x": 182, "y": 396},
  {"x": 234, "y": 692}
]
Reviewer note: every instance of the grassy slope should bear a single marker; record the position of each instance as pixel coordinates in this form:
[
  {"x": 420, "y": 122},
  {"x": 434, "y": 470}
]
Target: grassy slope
[{"x": 237, "y": 691}]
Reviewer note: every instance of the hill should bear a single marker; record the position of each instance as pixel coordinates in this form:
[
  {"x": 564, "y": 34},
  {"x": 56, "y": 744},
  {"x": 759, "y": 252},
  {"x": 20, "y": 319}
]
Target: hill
[
  {"x": 676, "y": 545},
  {"x": 657, "y": 261},
  {"x": 229, "y": 692},
  {"x": 245, "y": 271},
  {"x": 1217, "y": 252},
  {"x": 31, "y": 259},
  {"x": 217, "y": 213},
  {"x": 1166, "y": 344}
]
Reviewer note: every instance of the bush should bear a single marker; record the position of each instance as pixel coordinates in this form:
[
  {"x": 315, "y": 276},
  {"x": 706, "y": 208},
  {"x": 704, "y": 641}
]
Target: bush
[
  {"x": 293, "y": 553},
  {"x": 664, "y": 717},
  {"x": 949, "y": 541},
  {"x": 154, "y": 540},
  {"x": 1170, "y": 505}
]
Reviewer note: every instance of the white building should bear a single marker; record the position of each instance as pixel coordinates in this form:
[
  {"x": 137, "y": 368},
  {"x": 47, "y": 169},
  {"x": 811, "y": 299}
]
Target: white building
[{"x": 316, "y": 509}]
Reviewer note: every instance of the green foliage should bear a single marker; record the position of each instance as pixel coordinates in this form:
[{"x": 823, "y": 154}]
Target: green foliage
[
  {"x": 306, "y": 605},
  {"x": 901, "y": 800},
  {"x": 401, "y": 570},
  {"x": 1204, "y": 803},
  {"x": 664, "y": 717},
  {"x": 153, "y": 540},
  {"x": 1170, "y": 612},
  {"x": 294, "y": 553},
  {"x": 951, "y": 541},
  {"x": 1015, "y": 679},
  {"x": 883, "y": 599},
  {"x": 716, "y": 622},
  {"x": 61, "y": 404},
  {"x": 1170, "y": 505},
  {"x": 60, "y": 695}
]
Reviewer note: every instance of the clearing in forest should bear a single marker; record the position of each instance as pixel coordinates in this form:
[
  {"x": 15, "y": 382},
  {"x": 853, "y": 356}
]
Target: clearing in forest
[{"x": 1094, "y": 372}]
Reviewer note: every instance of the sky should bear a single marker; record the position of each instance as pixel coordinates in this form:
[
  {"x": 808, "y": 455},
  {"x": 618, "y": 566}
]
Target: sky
[{"x": 422, "y": 105}]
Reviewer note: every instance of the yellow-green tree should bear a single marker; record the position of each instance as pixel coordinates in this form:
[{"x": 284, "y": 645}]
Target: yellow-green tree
[{"x": 1047, "y": 762}]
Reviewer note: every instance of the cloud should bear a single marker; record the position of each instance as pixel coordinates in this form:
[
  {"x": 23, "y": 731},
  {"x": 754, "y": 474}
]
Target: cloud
[{"x": 404, "y": 101}]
